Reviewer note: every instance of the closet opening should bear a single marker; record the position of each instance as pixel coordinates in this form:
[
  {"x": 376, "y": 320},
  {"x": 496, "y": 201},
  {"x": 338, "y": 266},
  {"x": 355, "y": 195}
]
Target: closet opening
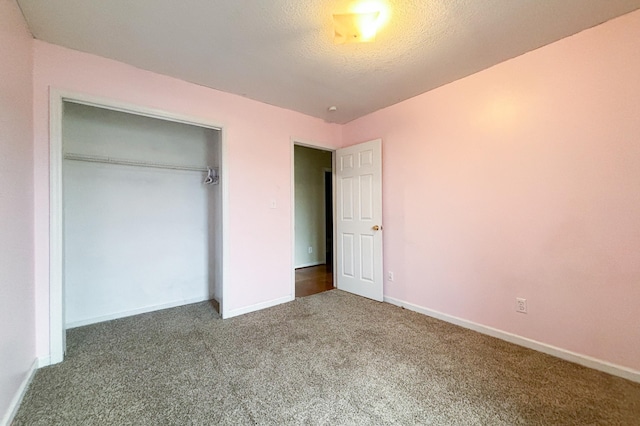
[{"x": 141, "y": 209}]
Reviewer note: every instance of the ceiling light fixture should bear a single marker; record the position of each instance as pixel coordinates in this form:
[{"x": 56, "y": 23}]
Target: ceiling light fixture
[
  {"x": 362, "y": 22},
  {"x": 355, "y": 27}
]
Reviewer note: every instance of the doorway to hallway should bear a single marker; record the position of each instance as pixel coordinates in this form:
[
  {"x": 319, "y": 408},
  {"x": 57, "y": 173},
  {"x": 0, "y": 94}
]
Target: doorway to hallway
[{"x": 313, "y": 205}]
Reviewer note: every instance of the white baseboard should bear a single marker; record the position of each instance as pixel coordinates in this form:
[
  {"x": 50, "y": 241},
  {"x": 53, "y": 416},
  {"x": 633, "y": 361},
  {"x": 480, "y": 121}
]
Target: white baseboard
[
  {"x": 43, "y": 361},
  {"x": 17, "y": 398},
  {"x": 584, "y": 360},
  {"x": 310, "y": 264},
  {"x": 258, "y": 306},
  {"x": 144, "y": 310}
]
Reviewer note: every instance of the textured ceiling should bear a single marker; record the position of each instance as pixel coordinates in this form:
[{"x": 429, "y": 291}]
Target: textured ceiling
[{"x": 281, "y": 51}]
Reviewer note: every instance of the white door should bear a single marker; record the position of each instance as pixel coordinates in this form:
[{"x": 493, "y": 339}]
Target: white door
[{"x": 359, "y": 219}]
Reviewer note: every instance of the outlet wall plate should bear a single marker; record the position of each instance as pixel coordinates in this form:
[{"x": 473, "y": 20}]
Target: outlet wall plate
[{"x": 521, "y": 305}]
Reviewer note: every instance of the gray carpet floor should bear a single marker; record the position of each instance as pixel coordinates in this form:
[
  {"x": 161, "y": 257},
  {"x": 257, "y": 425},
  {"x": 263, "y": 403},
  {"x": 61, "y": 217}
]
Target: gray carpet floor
[{"x": 332, "y": 358}]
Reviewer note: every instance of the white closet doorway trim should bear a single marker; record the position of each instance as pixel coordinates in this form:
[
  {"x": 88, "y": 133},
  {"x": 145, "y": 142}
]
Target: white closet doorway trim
[{"x": 56, "y": 279}]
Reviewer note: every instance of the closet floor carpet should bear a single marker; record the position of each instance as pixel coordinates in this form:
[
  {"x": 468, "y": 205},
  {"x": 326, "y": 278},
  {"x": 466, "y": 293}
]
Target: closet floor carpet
[{"x": 331, "y": 358}]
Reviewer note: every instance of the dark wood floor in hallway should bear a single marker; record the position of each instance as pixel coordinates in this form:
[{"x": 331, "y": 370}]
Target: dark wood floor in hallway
[{"x": 314, "y": 279}]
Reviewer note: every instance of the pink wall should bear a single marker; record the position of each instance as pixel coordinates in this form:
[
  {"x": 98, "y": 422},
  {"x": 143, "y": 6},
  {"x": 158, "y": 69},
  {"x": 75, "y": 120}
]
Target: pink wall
[
  {"x": 258, "y": 137},
  {"x": 17, "y": 352},
  {"x": 523, "y": 181}
]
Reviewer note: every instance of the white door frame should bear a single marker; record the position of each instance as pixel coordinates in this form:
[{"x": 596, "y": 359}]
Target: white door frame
[
  {"x": 321, "y": 147},
  {"x": 57, "y": 98}
]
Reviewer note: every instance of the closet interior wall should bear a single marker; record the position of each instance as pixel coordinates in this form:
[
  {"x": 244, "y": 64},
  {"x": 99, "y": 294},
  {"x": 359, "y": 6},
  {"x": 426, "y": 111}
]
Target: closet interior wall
[{"x": 137, "y": 238}]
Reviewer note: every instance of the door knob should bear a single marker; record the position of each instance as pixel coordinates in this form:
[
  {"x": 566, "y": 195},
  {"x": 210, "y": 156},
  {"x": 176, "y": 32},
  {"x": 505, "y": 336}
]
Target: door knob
[{"x": 376, "y": 227}]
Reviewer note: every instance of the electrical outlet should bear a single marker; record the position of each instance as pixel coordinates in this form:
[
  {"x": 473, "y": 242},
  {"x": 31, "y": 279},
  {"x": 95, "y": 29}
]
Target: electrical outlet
[
  {"x": 310, "y": 250},
  {"x": 390, "y": 275},
  {"x": 521, "y": 305}
]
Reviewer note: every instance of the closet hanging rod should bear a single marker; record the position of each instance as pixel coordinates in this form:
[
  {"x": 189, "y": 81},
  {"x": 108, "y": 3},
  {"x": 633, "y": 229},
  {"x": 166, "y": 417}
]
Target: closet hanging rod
[{"x": 122, "y": 162}]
